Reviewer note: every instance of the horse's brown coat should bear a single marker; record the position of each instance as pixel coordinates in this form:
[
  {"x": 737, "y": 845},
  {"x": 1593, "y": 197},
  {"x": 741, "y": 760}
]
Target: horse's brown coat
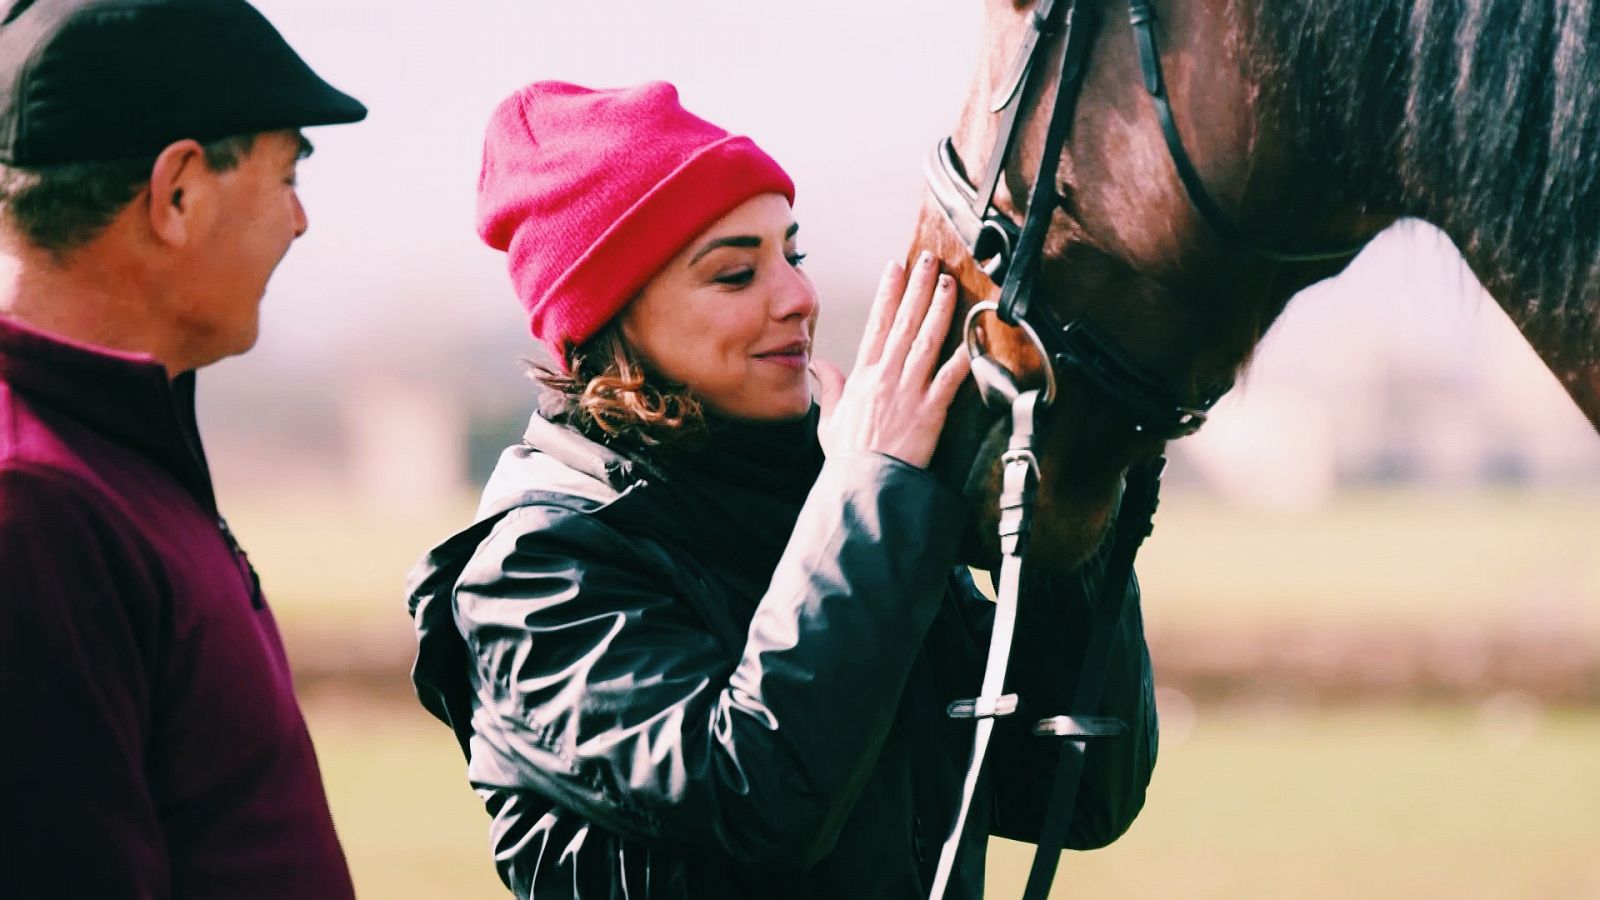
[{"x": 1129, "y": 252}]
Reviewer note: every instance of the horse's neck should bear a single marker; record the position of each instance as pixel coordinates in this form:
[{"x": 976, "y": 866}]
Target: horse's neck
[{"x": 1475, "y": 117}]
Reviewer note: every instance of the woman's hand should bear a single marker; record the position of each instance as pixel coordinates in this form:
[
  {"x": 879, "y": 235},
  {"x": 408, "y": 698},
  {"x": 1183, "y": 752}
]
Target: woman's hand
[{"x": 894, "y": 401}]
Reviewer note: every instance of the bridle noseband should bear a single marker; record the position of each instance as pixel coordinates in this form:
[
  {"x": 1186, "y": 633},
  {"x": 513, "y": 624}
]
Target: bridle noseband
[{"x": 1011, "y": 255}]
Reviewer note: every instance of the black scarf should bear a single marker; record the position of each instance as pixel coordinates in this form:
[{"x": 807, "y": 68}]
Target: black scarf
[{"x": 740, "y": 494}]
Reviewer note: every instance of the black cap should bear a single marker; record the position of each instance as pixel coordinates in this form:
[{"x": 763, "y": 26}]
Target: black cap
[{"x": 92, "y": 80}]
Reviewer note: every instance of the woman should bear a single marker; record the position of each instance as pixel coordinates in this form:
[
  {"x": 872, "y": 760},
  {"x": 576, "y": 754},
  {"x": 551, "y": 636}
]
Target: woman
[{"x": 700, "y": 642}]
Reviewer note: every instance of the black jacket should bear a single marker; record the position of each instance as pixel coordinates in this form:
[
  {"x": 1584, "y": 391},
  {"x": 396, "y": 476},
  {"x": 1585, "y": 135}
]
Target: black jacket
[{"x": 641, "y": 724}]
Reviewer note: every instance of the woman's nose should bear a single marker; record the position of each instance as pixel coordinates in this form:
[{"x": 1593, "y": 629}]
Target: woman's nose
[{"x": 796, "y": 297}]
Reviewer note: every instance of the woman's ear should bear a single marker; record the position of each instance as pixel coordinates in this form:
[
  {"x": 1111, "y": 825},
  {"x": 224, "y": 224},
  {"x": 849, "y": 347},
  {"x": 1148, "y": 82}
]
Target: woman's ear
[
  {"x": 626, "y": 321},
  {"x": 182, "y": 192}
]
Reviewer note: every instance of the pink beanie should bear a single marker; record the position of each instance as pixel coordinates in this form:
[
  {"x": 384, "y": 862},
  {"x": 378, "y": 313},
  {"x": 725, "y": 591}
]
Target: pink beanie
[{"x": 590, "y": 193}]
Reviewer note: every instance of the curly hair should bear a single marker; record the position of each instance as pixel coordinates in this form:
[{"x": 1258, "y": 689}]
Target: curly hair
[{"x": 609, "y": 395}]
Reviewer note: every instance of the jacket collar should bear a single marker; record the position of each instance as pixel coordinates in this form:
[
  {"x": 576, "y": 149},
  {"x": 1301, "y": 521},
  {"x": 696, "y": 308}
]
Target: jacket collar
[
  {"x": 125, "y": 396},
  {"x": 577, "y": 452}
]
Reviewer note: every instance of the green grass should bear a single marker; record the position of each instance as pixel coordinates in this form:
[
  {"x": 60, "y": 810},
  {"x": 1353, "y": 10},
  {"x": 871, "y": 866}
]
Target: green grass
[
  {"x": 1408, "y": 560},
  {"x": 1413, "y": 560},
  {"x": 410, "y": 826},
  {"x": 329, "y": 565},
  {"x": 1381, "y": 802},
  {"x": 1253, "y": 803},
  {"x": 1356, "y": 803}
]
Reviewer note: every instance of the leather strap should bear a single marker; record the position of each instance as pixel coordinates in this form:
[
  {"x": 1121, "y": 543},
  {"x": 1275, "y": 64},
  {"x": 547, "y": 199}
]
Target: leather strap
[
  {"x": 1016, "y": 506},
  {"x": 1016, "y": 96},
  {"x": 1078, "y": 30},
  {"x": 1134, "y": 524},
  {"x": 1143, "y": 19},
  {"x": 956, "y": 199}
]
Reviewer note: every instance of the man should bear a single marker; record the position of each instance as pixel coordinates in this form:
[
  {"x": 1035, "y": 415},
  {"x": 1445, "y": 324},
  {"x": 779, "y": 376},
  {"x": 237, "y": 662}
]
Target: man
[{"x": 150, "y": 742}]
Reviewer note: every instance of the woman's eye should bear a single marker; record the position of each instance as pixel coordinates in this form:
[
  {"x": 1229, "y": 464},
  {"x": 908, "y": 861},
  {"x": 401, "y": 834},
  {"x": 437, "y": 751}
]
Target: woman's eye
[
  {"x": 796, "y": 258},
  {"x": 737, "y": 278}
]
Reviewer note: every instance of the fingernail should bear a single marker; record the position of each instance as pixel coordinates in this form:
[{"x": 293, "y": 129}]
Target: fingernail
[
  {"x": 925, "y": 260},
  {"x": 944, "y": 282}
]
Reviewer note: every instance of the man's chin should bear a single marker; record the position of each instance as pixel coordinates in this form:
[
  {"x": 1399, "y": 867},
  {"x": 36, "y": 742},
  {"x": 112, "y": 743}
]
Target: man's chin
[{"x": 226, "y": 346}]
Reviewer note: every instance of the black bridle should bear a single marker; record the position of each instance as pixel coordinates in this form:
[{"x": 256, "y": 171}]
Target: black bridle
[
  {"x": 1075, "y": 349},
  {"x": 1011, "y": 255}
]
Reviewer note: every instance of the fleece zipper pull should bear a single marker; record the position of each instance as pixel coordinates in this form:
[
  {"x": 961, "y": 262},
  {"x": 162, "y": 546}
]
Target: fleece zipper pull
[{"x": 256, "y": 600}]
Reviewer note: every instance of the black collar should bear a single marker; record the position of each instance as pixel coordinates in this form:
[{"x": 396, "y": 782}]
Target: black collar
[{"x": 126, "y": 397}]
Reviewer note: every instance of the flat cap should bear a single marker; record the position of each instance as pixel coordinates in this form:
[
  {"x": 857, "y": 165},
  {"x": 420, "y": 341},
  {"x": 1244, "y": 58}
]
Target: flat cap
[{"x": 93, "y": 80}]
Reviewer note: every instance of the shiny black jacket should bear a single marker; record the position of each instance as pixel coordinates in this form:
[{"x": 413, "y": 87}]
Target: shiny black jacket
[{"x": 641, "y": 726}]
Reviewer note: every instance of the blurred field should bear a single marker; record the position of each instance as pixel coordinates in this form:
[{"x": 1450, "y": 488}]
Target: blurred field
[
  {"x": 1496, "y": 798},
  {"x": 1382, "y": 802},
  {"x": 1404, "y": 559},
  {"x": 1410, "y": 560}
]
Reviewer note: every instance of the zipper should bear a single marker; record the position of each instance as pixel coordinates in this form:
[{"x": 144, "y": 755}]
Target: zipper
[
  {"x": 256, "y": 600},
  {"x": 181, "y": 405}
]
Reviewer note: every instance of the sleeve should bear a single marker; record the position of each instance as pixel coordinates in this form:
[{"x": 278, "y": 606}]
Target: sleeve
[
  {"x": 1053, "y": 627},
  {"x": 603, "y": 691},
  {"x": 76, "y": 812}
]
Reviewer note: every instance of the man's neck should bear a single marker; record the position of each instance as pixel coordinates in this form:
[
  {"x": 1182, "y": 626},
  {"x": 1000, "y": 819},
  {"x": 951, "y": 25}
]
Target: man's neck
[{"x": 81, "y": 299}]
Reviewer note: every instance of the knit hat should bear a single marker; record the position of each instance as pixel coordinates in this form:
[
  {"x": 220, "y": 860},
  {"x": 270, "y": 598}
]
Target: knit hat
[{"x": 591, "y": 192}]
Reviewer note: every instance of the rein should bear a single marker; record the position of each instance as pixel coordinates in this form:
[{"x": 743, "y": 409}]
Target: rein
[{"x": 1011, "y": 256}]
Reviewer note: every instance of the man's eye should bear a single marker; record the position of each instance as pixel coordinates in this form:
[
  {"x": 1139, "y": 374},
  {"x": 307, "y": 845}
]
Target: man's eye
[{"x": 796, "y": 258}]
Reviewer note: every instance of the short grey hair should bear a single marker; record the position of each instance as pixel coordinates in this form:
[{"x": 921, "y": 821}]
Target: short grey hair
[{"x": 59, "y": 208}]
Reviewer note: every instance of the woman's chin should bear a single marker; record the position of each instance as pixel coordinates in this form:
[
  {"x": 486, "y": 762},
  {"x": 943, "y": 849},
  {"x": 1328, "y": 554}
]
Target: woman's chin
[
  {"x": 783, "y": 408},
  {"x": 796, "y": 409}
]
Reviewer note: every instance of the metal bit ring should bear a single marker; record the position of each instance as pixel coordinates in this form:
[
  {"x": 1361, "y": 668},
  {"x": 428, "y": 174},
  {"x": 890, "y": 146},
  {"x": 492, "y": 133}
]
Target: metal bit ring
[{"x": 976, "y": 351}]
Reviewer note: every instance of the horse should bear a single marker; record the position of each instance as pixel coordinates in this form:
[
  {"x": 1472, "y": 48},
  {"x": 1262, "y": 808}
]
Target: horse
[{"x": 1213, "y": 152}]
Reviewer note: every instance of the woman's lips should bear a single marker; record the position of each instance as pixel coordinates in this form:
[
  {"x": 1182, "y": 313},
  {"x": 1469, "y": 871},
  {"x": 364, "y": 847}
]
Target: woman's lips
[{"x": 794, "y": 356}]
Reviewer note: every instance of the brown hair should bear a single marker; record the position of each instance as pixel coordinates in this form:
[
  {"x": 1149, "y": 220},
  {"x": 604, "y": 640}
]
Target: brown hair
[
  {"x": 59, "y": 208},
  {"x": 609, "y": 395}
]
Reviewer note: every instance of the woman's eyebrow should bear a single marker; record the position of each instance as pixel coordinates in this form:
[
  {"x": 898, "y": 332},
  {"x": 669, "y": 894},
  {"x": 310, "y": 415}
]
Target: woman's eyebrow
[
  {"x": 743, "y": 241},
  {"x": 748, "y": 241}
]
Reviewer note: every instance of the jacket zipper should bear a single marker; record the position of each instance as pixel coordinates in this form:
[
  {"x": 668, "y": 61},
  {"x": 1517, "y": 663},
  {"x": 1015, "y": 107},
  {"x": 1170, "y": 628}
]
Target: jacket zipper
[{"x": 256, "y": 600}]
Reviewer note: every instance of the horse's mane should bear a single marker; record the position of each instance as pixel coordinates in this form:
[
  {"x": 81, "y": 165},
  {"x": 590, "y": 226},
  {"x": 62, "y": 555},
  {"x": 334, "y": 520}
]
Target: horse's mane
[{"x": 1482, "y": 116}]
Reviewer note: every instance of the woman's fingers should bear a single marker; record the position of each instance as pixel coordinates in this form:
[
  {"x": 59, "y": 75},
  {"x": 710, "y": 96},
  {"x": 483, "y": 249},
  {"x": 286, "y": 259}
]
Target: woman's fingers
[
  {"x": 894, "y": 402},
  {"x": 942, "y": 392},
  {"x": 890, "y": 287},
  {"x": 913, "y": 308},
  {"x": 924, "y": 352},
  {"x": 830, "y": 386}
]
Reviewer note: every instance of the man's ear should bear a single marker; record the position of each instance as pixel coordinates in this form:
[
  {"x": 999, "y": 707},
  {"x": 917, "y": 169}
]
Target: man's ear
[{"x": 182, "y": 188}]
